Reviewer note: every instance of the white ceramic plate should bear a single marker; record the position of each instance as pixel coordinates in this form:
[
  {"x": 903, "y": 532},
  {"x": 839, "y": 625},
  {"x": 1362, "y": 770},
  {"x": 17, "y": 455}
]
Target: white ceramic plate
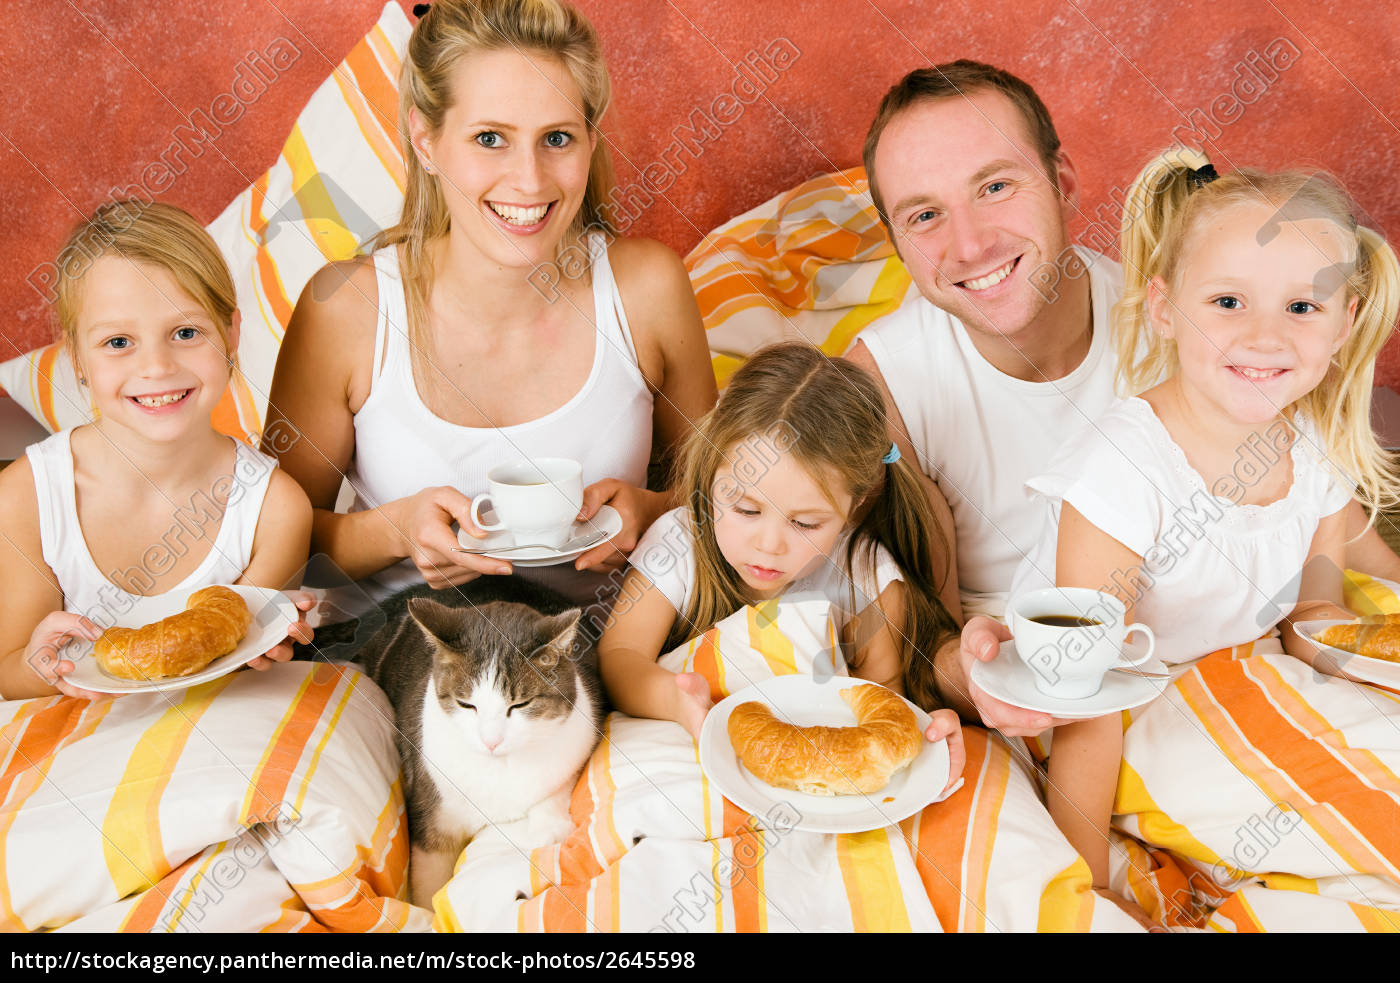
[
  {"x": 272, "y": 612},
  {"x": 1359, "y": 668},
  {"x": 803, "y": 701},
  {"x": 607, "y": 521},
  {"x": 1012, "y": 681}
]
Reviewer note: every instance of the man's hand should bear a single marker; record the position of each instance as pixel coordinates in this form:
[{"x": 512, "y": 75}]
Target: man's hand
[{"x": 981, "y": 641}]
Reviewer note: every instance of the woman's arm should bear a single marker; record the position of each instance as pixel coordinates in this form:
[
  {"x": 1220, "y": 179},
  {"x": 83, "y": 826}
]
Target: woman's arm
[
  {"x": 1320, "y": 592},
  {"x": 33, "y": 625},
  {"x": 675, "y": 359},
  {"x": 322, "y": 379}
]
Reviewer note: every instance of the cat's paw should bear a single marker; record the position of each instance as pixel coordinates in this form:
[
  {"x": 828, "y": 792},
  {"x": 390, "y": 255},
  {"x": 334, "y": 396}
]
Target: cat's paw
[{"x": 548, "y": 826}]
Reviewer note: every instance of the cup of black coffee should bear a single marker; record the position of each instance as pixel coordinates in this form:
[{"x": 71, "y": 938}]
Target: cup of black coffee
[{"x": 1071, "y": 636}]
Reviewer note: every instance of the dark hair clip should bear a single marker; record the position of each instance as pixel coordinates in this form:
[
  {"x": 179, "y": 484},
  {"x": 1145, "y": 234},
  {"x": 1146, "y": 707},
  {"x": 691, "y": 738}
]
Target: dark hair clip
[
  {"x": 1201, "y": 176},
  {"x": 419, "y": 9}
]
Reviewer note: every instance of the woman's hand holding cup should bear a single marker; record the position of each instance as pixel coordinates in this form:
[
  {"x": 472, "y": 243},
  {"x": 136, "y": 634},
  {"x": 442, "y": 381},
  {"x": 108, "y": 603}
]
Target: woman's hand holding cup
[{"x": 427, "y": 519}]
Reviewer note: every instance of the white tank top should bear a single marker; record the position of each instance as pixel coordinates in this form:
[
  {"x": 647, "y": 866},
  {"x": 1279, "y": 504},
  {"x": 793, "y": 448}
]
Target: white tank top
[
  {"x": 981, "y": 433},
  {"x": 89, "y": 590},
  {"x": 402, "y": 447}
]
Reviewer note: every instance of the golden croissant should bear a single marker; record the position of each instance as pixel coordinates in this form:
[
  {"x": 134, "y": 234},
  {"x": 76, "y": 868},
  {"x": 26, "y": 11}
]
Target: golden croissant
[
  {"x": 214, "y": 621},
  {"x": 829, "y": 760},
  {"x": 1377, "y": 639}
]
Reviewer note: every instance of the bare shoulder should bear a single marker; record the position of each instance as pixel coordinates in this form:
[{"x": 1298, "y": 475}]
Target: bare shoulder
[
  {"x": 651, "y": 278},
  {"x": 286, "y": 504},
  {"x": 21, "y": 545},
  {"x": 661, "y": 311},
  {"x": 331, "y": 334},
  {"x": 19, "y": 499},
  {"x": 859, "y": 356}
]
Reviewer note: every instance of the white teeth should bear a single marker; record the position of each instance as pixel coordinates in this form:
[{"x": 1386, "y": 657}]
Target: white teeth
[
  {"x": 991, "y": 279},
  {"x": 1257, "y": 373},
  {"x": 161, "y": 400},
  {"x": 519, "y": 216}
]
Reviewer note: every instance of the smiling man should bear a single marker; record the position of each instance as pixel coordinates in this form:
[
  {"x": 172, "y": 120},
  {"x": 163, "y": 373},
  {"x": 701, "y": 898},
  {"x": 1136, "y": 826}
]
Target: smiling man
[{"x": 1005, "y": 349}]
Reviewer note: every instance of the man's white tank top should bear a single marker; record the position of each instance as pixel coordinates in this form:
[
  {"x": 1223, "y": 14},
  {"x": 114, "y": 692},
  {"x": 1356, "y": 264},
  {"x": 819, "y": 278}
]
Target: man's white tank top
[
  {"x": 87, "y": 589},
  {"x": 402, "y": 447}
]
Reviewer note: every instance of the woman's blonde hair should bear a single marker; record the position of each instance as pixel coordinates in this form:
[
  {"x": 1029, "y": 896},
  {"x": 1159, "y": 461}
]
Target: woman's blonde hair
[
  {"x": 829, "y": 414},
  {"x": 455, "y": 29},
  {"x": 1169, "y": 197},
  {"x": 145, "y": 232}
]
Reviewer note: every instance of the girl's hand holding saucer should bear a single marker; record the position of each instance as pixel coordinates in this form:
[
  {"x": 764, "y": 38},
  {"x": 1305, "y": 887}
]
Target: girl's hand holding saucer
[
  {"x": 426, "y": 522},
  {"x": 638, "y": 508}
]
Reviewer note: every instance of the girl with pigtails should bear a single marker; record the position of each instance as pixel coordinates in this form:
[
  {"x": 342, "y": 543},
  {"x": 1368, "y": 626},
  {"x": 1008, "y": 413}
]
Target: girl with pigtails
[{"x": 1211, "y": 500}]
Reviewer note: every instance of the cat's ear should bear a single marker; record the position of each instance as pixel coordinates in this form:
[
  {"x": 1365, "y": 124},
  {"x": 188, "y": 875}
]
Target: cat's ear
[
  {"x": 441, "y": 623},
  {"x": 557, "y": 636}
]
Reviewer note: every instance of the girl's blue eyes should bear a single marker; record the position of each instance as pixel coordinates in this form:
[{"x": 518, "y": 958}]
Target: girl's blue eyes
[
  {"x": 1296, "y": 307},
  {"x": 120, "y": 342}
]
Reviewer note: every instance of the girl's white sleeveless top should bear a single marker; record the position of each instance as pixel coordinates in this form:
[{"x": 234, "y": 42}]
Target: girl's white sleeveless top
[
  {"x": 87, "y": 589},
  {"x": 402, "y": 447}
]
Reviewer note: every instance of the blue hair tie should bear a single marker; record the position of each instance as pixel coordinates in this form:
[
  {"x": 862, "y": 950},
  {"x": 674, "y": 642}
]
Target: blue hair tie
[{"x": 893, "y": 455}]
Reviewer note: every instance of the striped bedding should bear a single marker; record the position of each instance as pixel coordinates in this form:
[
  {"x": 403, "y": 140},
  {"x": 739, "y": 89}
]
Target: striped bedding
[
  {"x": 657, "y": 847},
  {"x": 1255, "y": 795},
  {"x": 261, "y": 801}
]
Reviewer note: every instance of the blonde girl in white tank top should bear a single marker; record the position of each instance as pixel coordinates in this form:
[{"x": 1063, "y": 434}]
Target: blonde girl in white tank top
[
  {"x": 502, "y": 318},
  {"x": 150, "y": 498}
]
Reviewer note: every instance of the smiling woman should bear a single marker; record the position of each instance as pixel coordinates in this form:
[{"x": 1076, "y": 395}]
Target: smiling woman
[{"x": 415, "y": 371}]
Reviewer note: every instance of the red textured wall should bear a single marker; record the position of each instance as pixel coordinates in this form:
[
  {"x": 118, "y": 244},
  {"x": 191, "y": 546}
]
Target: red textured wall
[{"x": 95, "y": 87}]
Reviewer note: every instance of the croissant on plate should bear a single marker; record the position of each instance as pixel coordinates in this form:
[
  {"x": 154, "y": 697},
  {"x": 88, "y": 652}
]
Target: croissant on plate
[
  {"x": 829, "y": 760},
  {"x": 214, "y": 621},
  {"x": 1379, "y": 640}
]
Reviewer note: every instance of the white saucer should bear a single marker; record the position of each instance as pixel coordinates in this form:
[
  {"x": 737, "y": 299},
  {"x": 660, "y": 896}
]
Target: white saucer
[
  {"x": 607, "y": 521},
  {"x": 1012, "y": 681},
  {"x": 803, "y": 701},
  {"x": 1359, "y": 668},
  {"x": 272, "y": 612}
]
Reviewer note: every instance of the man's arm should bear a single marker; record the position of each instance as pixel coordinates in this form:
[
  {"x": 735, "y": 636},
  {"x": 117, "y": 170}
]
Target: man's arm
[{"x": 981, "y": 637}]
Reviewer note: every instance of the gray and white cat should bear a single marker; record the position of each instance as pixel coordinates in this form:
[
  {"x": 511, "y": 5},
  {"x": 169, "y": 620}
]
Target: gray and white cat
[{"x": 498, "y": 705}]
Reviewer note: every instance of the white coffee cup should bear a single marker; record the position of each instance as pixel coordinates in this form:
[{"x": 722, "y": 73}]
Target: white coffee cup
[
  {"x": 1068, "y": 661},
  {"x": 536, "y": 500}
]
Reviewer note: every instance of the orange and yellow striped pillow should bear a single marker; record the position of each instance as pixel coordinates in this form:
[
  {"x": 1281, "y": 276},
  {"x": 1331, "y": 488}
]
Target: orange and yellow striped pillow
[{"x": 337, "y": 182}]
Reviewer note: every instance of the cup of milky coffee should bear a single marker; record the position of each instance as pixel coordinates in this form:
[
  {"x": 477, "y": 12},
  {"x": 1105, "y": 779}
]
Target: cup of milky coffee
[
  {"x": 537, "y": 500},
  {"x": 1071, "y": 636}
]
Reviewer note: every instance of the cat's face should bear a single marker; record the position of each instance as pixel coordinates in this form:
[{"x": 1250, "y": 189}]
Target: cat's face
[{"x": 503, "y": 673}]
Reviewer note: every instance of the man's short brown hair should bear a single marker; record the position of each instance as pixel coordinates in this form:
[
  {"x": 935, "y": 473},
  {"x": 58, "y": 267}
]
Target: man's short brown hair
[{"x": 960, "y": 78}]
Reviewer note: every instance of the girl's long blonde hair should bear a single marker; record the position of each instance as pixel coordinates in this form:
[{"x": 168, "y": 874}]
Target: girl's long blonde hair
[
  {"x": 831, "y": 415},
  {"x": 455, "y": 29},
  {"x": 1166, "y": 201}
]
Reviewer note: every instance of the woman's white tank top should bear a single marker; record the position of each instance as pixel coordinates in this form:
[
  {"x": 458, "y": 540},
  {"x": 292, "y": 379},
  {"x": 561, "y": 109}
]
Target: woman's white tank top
[
  {"x": 89, "y": 590},
  {"x": 402, "y": 447}
]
